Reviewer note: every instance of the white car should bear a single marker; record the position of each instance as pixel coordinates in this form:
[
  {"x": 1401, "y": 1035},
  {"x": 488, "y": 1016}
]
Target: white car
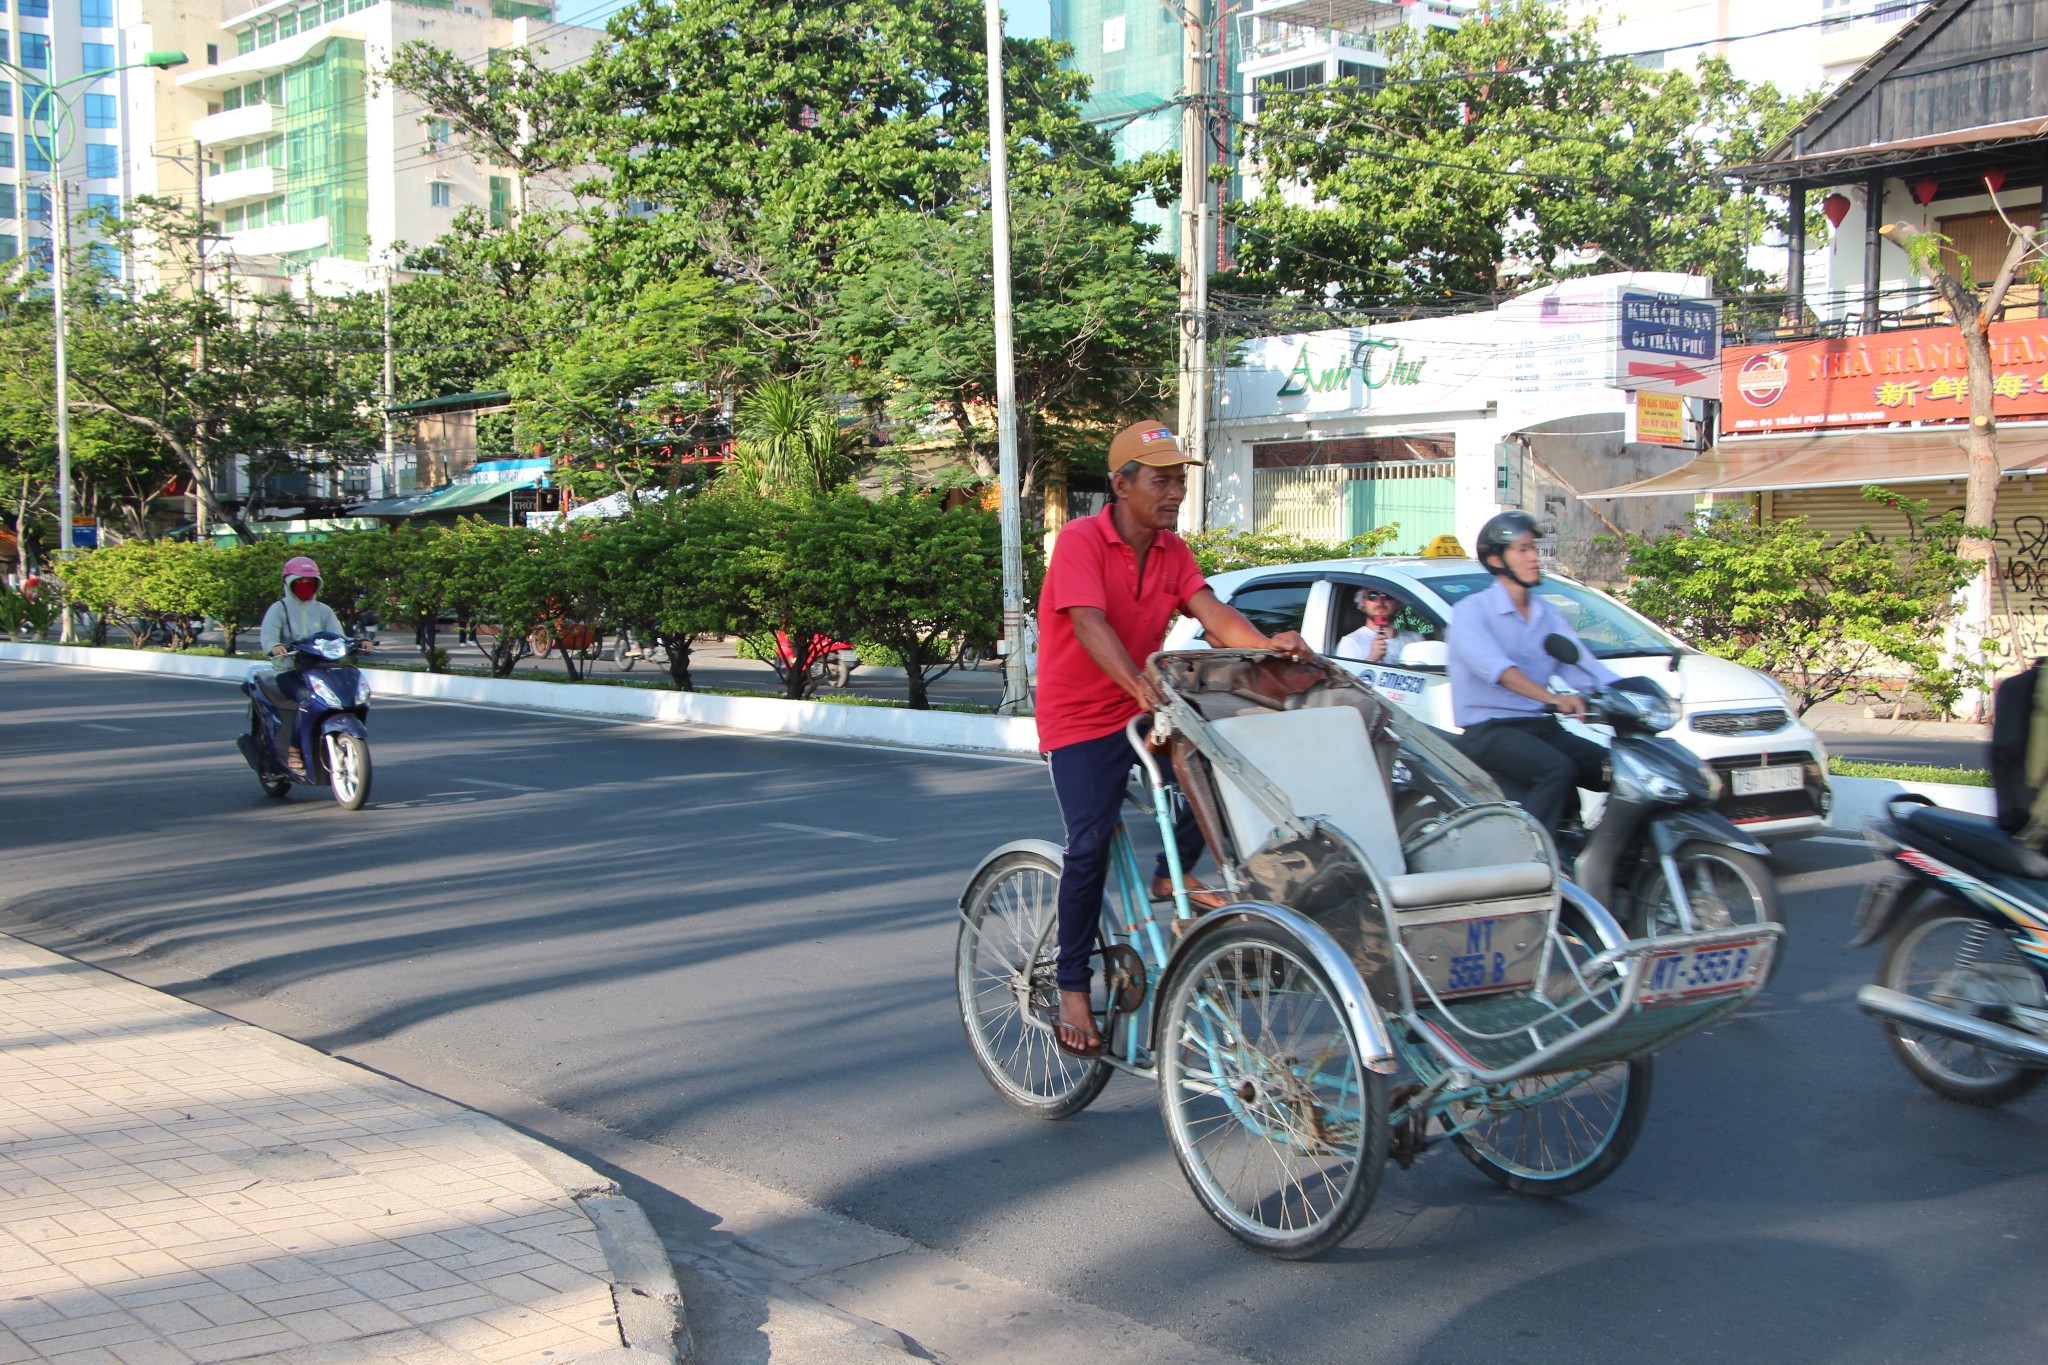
[{"x": 1773, "y": 769}]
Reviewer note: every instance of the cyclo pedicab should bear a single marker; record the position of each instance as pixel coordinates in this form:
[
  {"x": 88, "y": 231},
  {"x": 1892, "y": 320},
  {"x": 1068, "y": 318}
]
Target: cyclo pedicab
[{"x": 1393, "y": 919}]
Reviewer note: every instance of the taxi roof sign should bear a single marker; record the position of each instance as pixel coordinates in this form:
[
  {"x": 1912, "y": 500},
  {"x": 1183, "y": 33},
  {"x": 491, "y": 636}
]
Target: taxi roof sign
[{"x": 1444, "y": 547}]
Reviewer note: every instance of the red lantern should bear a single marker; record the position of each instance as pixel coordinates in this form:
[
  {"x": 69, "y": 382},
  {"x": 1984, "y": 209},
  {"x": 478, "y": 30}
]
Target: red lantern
[
  {"x": 1994, "y": 180},
  {"x": 1925, "y": 190},
  {"x": 1836, "y": 208}
]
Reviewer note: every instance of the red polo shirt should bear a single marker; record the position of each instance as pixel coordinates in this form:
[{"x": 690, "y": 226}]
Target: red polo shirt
[{"x": 1093, "y": 567}]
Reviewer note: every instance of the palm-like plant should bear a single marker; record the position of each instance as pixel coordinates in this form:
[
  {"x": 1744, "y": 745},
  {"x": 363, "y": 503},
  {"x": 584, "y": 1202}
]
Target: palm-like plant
[{"x": 788, "y": 441}]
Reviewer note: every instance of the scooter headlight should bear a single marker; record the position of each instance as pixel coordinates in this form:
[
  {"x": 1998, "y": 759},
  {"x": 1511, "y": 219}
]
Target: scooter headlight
[
  {"x": 362, "y": 690},
  {"x": 1636, "y": 780},
  {"x": 322, "y": 689}
]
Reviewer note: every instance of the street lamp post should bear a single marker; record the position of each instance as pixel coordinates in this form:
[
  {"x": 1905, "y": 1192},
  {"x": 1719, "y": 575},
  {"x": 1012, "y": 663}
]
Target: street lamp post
[{"x": 62, "y": 127}]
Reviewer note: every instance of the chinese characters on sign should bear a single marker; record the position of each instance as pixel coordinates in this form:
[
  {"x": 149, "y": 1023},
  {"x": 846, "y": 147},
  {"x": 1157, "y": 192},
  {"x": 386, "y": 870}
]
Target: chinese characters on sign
[{"x": 1920, "y": 376}]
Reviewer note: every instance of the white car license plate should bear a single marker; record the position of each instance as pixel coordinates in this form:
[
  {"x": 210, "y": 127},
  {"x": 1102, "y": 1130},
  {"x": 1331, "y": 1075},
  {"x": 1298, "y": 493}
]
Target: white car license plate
[
  {"x": 1756, "y": 781},
  {"x": 1691, "y": 973}
]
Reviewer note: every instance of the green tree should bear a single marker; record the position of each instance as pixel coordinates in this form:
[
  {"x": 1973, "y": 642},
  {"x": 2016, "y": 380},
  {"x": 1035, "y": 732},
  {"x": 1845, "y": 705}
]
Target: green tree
[
  {"x": 789, "y": 441},
  {"x": 924, "y": 577},
  {"x": 1510, "y": 146},
  {"x": 670, "y": 570},
  {"x": 1818, "y": 614}
]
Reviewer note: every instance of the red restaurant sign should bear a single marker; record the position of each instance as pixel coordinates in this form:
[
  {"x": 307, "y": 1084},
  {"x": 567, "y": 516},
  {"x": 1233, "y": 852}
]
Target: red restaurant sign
[{"x": 1919, "y": 376}]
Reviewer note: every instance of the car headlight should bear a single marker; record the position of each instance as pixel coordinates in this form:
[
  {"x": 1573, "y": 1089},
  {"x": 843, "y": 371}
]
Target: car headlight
[{"x": 326, "y": 693}]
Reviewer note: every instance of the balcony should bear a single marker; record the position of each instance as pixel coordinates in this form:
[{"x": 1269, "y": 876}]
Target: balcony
[
  {"x": 280, "y": 239},
  {"x": 234, "y": 125},
  {"x": 259, "y": 183}
]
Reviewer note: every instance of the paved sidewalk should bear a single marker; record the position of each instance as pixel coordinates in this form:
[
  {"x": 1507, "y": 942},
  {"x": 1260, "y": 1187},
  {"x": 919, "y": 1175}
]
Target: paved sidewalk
[{"x": 176, "y": 1186}]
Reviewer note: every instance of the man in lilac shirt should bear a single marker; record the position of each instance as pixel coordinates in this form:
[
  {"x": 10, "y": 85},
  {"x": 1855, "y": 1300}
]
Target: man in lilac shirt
[{"x": 1509, "y": 718}]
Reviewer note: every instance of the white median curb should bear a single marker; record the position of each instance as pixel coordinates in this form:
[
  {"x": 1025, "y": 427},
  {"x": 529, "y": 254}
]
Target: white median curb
[
  {"x": 1859, "y": 800},
  {"x": 760, "y": 715}
]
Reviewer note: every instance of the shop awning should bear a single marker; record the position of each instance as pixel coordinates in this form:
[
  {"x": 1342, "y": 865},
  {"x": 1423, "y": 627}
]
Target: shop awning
[
  {"x": 1836, "y": 460},
  {"x": 472, "y": 495}
]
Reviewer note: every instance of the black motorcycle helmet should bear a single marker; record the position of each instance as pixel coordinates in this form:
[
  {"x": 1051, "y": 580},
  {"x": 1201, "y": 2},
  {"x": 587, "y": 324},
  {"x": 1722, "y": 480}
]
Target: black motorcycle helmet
[{"x": 1497, "y": 534}]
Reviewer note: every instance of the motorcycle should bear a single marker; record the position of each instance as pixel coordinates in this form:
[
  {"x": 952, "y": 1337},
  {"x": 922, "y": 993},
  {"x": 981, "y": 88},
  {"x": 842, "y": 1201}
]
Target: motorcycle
[
  {"x": 1660, "y": 855},
  {"x": 1964, "y": 921},
  {"x": 328, "y": 723},
  {"x": 831, "y": 661}
]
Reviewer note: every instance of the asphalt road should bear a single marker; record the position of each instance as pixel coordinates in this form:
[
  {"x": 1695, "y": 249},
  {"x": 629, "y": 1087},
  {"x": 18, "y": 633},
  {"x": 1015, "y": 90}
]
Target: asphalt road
[{"x": 740, "y": 949}]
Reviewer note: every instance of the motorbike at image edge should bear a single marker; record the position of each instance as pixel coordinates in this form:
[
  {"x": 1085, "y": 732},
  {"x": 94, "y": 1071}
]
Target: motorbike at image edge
[
  {"x": 1660, "y": 856},
  {"x": 1963, "y": 917},
  {"x": 329, "y": 723}
]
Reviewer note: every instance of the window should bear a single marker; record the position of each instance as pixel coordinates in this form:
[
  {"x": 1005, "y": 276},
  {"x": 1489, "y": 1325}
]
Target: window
[
  {"x": 231, "y": 99},
  {"x": 35, "y": 50},
  {"x": 4, "y": 50},
  {"x": 273, "y": 90},
  {"x": 237, "y": 217},
  {"x": 1609, "y": 628},
  {"x": 245, "y": 42},
  {"x": 102, "y": 161},
  {"x": 1274, "y": 607},
  {"x": 39, "y": 205},
  {"x": 231, "y": 160},
  {"x": 1371, "y": 79},
  {"x": 1349, "y": 617},
  {"x": 309, "y": 18},
  {"x": 96, "y": 13},
  {"x": 38, "y": 145},
  {"x": 35, "y": 9},
  {"x": 266, "y": 33},
  {"x": 334, "y": 9},
  {"x": 501, "y": 201},
  {"x": 8, "y": 206},
  {"x": 288, "y": 24},
  {"x": 6, "y": 99},
  {"x": 10, "y": 246},
  {"x": 6, "y": 149},
  {"x": 35, "y": 102},
  {"x": 1292, "y": 81},
  {"x": 437, "y": 132},
  {"x": 213, "y": 54},
  {"x": 103, "y": 203},
  {"x": 106, "y": 258},
  {"x": 96, "y": 56},
  {"x": 440, "y": 191},
  {"x": 100, "y": 111},
  {"x": 39, "y": 252}
]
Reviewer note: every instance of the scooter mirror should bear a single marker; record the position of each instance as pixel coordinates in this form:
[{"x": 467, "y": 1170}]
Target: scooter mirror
[{"x": 1561, "y": 648}]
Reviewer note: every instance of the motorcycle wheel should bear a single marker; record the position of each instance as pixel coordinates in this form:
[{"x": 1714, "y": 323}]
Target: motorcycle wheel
[
  {"x": 348, "y": 771},
  {"x": 1933, "y": 956},
  {"x": 840, "y": 669},
  {"x": 275, "y": 785},
  {"x": 1726, "y": 887}
]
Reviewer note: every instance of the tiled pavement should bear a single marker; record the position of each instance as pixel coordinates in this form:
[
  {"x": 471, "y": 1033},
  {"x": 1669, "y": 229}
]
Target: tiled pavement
[{"x": 175, "y": 1186}]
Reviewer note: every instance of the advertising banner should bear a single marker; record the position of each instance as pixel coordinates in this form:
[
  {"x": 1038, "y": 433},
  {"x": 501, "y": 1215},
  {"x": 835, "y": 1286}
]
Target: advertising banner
[
  {"x": 1917, "y": 376},
  {"x": 1660, "y": 418},
  {"x": 1669, "y": 344}
]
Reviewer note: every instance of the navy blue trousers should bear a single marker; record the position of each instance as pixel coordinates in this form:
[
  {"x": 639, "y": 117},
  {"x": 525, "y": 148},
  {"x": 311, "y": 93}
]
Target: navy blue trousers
[{"x": 1089, "y": 779}]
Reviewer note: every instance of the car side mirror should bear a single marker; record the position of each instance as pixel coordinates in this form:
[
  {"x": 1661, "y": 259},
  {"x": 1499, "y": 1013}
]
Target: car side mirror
[{"x": 1424, "y": 654}]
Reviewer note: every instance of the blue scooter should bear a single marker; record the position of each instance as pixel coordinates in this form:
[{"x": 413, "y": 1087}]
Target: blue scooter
[{"x": 328, "y": 724}]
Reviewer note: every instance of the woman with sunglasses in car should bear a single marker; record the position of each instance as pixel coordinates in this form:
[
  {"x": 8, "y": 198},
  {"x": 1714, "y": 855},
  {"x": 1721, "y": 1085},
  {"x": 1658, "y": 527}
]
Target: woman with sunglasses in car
[{"x": 1378, "y": 641}]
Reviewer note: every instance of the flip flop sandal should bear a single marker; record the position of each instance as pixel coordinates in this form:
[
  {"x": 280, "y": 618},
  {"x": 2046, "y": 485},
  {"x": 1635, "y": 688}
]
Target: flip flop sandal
[
  {"x": 1085, "y": 1053},
  {"x": 1199, "y": 897}
]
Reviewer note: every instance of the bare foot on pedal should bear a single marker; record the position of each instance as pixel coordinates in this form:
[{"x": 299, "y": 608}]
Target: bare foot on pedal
[{"x": 1076, "y": 1031}]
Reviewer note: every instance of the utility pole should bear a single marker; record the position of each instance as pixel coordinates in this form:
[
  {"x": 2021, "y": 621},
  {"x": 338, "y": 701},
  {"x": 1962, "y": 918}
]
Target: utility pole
[
  {"x": 1016, "y": 676},
  {"x": 62, "y": 228},
  {"x": 201, "y": 527},
  {"x": 1194, "y": 271},
  {"x": 390, "y": 394}
]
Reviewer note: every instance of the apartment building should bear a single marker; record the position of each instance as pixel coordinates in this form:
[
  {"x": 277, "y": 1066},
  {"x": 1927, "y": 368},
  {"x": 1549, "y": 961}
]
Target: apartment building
[{"x": 315, "y": 173}]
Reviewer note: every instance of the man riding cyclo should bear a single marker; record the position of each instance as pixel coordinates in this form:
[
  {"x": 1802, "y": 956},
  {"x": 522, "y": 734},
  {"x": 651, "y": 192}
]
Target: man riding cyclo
[
  {"x": 1510, "y": 720},
  {"x": 1114, "y": 585}
]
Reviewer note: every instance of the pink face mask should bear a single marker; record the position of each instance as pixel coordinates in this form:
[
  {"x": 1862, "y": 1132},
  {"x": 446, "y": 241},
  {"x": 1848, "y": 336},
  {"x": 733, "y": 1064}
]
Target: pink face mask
[{"x": 304, "y": 588}]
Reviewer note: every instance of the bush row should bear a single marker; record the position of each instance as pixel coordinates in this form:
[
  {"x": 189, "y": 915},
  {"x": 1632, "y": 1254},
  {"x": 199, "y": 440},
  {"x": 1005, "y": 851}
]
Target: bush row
[{"x": 904, "y": 573}]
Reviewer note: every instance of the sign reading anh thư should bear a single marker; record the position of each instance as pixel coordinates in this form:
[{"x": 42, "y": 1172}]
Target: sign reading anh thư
[{"x": 1917, "y": 376}]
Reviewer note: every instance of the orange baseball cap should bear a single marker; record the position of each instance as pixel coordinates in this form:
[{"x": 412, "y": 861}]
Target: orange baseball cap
[{"x": 1147, "y": 443}]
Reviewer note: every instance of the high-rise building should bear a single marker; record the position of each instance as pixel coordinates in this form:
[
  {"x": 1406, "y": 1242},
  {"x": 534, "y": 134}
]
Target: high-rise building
[{"x": 312, "y": 170}]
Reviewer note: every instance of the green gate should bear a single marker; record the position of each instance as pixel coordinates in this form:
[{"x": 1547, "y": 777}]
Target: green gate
[{"x": 1421, "y": 496}]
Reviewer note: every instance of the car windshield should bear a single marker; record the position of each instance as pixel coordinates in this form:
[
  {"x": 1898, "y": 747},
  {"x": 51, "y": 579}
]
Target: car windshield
[{"x": 1609, "y": 629}]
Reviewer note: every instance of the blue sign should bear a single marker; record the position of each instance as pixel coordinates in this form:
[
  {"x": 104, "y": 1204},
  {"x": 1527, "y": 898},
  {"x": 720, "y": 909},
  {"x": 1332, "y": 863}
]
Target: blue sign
[{"x": 1660, "y": 325}]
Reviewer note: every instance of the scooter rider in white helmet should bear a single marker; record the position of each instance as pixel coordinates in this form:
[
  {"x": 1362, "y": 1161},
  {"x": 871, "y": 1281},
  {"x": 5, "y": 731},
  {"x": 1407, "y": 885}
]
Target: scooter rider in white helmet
[
  {"x": 291, "y": 618},
  {"x": 1508, "y": 716}
]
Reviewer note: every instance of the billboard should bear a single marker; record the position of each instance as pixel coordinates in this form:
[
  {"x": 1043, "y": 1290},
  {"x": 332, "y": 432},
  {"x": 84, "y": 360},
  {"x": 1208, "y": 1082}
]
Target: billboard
[
  {"x": 1660, "y": 418},
  {"x": 1890, "y": 377}
]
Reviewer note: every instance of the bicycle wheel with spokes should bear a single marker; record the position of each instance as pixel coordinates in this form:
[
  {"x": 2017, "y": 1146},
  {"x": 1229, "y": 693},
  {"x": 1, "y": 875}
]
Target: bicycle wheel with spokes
[
  {"x": 1003, "y": 974},
  {"x": 1557, "y": 1135},
  {"x": 1277, "y": 1122}
]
